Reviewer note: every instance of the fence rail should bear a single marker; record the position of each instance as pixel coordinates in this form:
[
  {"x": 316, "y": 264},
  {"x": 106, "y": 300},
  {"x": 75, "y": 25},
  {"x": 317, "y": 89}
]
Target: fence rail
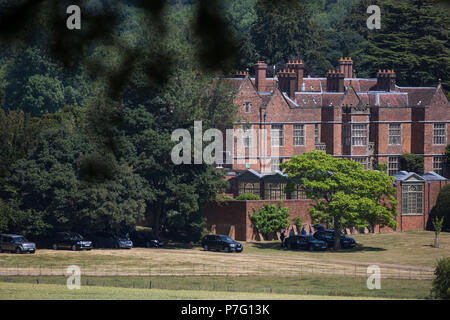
[{"x": 263, "y": 269}]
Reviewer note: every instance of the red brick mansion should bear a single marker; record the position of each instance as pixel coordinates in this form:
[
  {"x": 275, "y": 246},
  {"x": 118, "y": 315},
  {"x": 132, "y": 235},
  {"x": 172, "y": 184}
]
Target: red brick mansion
[{"x": 367, "y": 120}]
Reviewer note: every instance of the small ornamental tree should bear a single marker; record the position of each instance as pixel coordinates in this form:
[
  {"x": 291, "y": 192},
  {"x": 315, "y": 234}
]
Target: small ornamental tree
[
  {"x": 270, "y": 218},
  {"x": 437, "y": 224},
  {"x": 345, "y": 194}
]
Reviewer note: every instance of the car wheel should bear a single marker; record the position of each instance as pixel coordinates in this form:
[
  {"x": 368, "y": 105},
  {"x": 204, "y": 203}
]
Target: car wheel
[
  {"x": 18, "y": 251},
  {"x": 74, "y": 248},
  {"x": 226, "y": 249},
  {"x": 205, "y": 247},
  {"x": 55, "y": 246}
]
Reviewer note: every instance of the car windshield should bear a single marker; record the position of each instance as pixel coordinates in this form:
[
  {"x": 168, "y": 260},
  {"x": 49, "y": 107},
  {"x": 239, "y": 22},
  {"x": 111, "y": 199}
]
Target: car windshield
[
  {"x": 19, "y": 240},
  {"x": 226, "y": 238},
  {"x": 75, "y": 236}
]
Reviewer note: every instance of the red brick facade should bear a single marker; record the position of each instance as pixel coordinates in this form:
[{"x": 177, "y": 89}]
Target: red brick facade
[
  {"x": 233, "y": 217},
  {"x": 332, "y": 112}
]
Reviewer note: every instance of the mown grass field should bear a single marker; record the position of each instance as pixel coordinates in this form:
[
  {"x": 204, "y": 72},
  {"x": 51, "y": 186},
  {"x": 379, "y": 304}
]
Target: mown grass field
[
  {"x": 28, "y": 291},
  {"x": 311, "y": 285}
]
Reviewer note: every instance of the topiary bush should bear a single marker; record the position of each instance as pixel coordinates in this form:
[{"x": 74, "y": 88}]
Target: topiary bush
[
  {"x": 442, "y": 207},
  {"x": 441, "y": 284},
  {"x": 248, "y": 196}
]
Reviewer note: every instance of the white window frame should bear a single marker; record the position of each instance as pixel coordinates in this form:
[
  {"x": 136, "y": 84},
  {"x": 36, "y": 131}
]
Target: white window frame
[
  {"x": 395, "y": 134},
  {"x": 359, "y": 135},
  {"x": 439, "y": 133},
  {"x": 438, "y": 164},
  {"x": 277, "y": 135},
  {"x": 393, "y": 163},
  {"x": 299, "y": 135},
  {"x": 412, "y": 199}
]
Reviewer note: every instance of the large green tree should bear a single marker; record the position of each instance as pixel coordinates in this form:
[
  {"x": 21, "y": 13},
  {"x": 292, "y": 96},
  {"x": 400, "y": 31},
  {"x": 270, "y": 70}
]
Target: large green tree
[
  {"x": 345, "y": 194},
  {"x": 284, "y": 29},
  {"x": 413, "y": 40}
]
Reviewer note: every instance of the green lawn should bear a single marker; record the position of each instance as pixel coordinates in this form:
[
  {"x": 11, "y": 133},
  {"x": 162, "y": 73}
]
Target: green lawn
[
  {"x": 311, "y": 285},
  {"x": 403, "y": 248},
  {"x": 60, "y": 292}
]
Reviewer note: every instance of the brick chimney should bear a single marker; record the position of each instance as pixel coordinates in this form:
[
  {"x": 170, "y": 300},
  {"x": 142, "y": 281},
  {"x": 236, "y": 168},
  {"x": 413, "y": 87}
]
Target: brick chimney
[
  {"x": 298, "y": 68},
  {"x": 287, "y": 81},
  {"x": 335, "y": 81},
  {"x": 346, "y": 67},
  {"x": 386, "y": 80},
  {"x": 260, "y": 75}
]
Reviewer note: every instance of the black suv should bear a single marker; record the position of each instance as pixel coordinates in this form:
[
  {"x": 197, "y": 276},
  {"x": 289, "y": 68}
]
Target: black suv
[
  {"x": 221, "y": 243},
  {"x": 70, "y": 240},
  {"x": 328, "y": 237},
  {"x": 305, "y": 242},
  {"x": 16, "y": 243},
  {"x": 146, "y": 239},
  {"x": 111, "y": 240}
]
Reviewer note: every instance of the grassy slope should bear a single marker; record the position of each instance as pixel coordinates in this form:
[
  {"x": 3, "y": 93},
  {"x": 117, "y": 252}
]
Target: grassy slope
[{"x": 60, "y": 292}]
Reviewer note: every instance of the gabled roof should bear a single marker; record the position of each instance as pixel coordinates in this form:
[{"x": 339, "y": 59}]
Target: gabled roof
[
  {"x": 350, "y": 97},
  {"x": 406, "y": 176}
]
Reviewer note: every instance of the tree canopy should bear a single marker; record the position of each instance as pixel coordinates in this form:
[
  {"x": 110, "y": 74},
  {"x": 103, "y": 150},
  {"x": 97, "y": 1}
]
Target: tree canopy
[{"x": 345, "y": 195}]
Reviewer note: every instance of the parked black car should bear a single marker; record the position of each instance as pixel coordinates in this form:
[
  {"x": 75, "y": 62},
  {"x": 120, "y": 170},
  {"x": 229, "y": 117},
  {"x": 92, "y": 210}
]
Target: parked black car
[
  {"x": 147, "y": 240},
  {"x": 70, "y": 240},
  {"x": 307, "y": 242},
  {"x": 16, "y": 243},
  {"x": 111, "y": 240},
  {"x": 221, "y": 243},
  {"x": 328, "y": 237}
]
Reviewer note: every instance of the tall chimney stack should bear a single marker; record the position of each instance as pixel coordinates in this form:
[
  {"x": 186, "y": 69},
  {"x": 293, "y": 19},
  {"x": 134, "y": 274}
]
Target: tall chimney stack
[
  {"x": 287, "y": 80},
  {"x": 298, "y": 67},
  {"x": 346, "y": 67},
  {"x": 335, "y": 81},
  {"x": 386, "y": 80},
  {"x": 260, "y": 76}
]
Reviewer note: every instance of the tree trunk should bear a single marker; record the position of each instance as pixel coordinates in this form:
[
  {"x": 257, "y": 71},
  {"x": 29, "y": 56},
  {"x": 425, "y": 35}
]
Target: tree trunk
[
  {"x": 436, "y": 242},
  {"x": 337, "y": 234}
]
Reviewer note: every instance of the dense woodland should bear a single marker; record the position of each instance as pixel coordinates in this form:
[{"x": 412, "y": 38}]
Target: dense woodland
[{"x": 86, "y": 117}]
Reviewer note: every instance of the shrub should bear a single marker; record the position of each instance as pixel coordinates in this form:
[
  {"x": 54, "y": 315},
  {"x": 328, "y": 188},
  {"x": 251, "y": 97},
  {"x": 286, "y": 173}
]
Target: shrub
[
  {"x": 298, "y": 222},
  {"x": 248, "y": 196},
  {"x": 412, "y": 163},
  {"x": 441, "y": 284},
  {"x": 270, "y": 218},
  {"x": 223, "y": 197},
  {"x": 442, "y": 208}
]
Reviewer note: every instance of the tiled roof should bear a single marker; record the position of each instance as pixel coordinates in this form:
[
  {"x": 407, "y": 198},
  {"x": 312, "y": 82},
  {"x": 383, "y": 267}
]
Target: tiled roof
[{"x": 418, "y": 96}]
